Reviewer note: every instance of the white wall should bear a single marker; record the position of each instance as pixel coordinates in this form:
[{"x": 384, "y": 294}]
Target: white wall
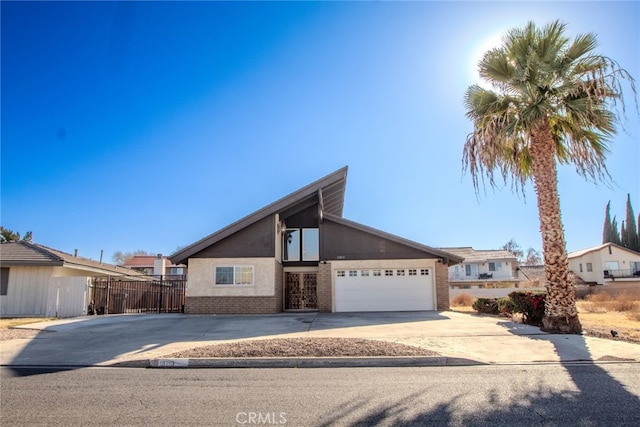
[
  {"x": 599, "y": 258},
  {"x": 201, "y": 278},
  {"x": 43, "y": 291}
]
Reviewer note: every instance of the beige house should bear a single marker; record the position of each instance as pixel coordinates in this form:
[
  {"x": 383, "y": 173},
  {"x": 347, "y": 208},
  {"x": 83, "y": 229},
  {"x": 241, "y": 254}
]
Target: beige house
[
  {"x": 482, "y": 269},
  {"x": 299, "y": 253},
  {"x": 605, "y": 264},
  {"x": 40, "y": 281}
]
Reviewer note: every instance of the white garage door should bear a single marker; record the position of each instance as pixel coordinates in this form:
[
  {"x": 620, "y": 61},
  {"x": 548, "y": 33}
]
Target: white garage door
[{"x": 394, "y": 289}]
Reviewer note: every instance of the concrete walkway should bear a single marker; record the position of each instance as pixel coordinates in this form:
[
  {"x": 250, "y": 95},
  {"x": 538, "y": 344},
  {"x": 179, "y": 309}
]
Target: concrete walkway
[{"x": 458, "y": 337}]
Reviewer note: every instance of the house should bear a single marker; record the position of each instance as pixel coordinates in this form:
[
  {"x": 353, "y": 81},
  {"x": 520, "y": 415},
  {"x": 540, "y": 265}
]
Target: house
[
  {"x": 40, "y": 281},
  {"x": 299, "y": 253},
  {"x": 156, "y": 265},
  {"x": 605, "y": 263},
  {"x": 483, "y": 269}
]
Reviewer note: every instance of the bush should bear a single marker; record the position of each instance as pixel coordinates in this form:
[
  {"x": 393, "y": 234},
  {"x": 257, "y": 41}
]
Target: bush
[
  {"x": 462, "y": 300},
  {"x": 505, "y": 306},
  {"x": 486, "y": 305},
  {"x": 530, "y": 304}
]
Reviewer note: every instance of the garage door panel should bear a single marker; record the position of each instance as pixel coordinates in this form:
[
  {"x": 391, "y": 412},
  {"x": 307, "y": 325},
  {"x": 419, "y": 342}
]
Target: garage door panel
[{"x": 383, "y": 293}]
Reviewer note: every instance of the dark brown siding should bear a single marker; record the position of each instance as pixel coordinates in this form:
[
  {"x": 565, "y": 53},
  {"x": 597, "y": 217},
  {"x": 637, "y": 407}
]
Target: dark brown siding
[
  {"x": 307, "y": 218},
  {"x": 340, "y": 242},
  {"x": 257, "y": 240}
]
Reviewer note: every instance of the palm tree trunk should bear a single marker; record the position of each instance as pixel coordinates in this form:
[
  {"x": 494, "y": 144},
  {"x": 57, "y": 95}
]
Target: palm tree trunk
[{"x": 561, "y": 315}]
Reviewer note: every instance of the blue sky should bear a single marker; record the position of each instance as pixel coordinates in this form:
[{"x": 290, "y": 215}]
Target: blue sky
[{"x": 149, "y": 125}]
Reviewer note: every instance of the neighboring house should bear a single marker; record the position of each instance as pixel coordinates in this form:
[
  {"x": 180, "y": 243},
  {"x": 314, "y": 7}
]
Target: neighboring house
[
  {"x": 40, "y": 281},
  {"x": 483, "y": 268},
  {"x": 605, "y": 263},
  {"x": 156, "y": 265},
  {"x": 298, "y": 253}
]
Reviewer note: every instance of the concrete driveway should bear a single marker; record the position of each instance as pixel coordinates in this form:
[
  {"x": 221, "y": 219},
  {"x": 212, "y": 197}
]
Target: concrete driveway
[{"x": 108, "y": 340}]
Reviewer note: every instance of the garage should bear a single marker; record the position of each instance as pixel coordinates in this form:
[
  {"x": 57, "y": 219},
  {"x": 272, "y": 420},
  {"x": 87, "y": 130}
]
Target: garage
[{"x": 390, "y": 289}]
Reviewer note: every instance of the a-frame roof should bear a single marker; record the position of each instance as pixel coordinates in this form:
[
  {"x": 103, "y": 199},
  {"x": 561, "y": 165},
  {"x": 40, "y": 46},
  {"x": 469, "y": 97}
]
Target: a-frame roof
[
  {"x": 328, "y": 191},
  {"x": 447, "y": 258}
]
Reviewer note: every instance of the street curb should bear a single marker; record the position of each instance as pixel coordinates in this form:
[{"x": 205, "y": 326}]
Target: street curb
[{"x": 311, "y": 362}]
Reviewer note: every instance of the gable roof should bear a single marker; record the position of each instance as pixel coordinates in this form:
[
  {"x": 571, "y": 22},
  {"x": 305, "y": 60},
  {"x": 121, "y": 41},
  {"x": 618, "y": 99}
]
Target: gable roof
[
  {"x": 582, "y": 252},
  {"x": 31, "y": 254},
  {"x": 328, "y": 191},
  {"x": 448, "y": 258},
  {"x": 471, "y": 255}
]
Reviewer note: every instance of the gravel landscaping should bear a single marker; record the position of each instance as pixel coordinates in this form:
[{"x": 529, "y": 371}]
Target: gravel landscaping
[{"x": 305, "y": 347}]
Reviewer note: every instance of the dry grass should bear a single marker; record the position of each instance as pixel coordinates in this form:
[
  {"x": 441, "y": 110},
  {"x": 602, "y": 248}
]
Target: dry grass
[
  {"x": 12, "y": 322},
  {"x": 600, "y": 313},
  {"x": 462, "y": 300}
]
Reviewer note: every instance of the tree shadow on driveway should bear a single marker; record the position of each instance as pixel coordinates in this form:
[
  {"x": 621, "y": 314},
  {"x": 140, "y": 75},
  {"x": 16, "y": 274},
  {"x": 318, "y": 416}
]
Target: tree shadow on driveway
[{"x": 107, "y": 340}]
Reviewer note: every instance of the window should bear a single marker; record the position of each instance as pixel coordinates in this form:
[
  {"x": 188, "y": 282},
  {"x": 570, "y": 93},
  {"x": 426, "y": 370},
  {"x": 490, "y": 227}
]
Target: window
[
  {"x": 300, "y": 245},
  {"x": 495, "y": 266},
  {"x": 388, "y": 272},
  {"x": 4, "y": 283},
  {"x": 364, "y": 273},
  {"x": 580, "y": 267},
  {"x": 400, "y": 273},
  {"x": 353, "y": 273},
  {"x": 377, "y": 273},
  {"x": 234, "y": 275},
  {"x": 340, "y": 273},
  {"x": 424, "y": 272},
  {"x": 176, "y": 270},
  {"x": 291, "y": 245},
  {"x": 611, "y": 265},
  {"x": 589, "y": 266},
  {"x": 413, "y": 272},
  {"x": 470, "y": 269},
  {"x": 310, "y": 244}
]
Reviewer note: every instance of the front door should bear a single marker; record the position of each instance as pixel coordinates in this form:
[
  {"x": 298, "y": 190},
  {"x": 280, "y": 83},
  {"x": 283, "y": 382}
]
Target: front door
[{"x": 300, "y": 291}]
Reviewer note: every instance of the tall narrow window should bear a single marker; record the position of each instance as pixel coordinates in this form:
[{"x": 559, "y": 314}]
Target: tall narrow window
[
  {"x": 291, "y": 245},
  {"x": 310, "y": 244}
]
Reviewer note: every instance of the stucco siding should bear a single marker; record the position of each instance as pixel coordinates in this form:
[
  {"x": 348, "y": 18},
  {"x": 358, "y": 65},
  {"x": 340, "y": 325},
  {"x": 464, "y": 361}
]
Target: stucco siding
[{"x": 201, "y": 279}]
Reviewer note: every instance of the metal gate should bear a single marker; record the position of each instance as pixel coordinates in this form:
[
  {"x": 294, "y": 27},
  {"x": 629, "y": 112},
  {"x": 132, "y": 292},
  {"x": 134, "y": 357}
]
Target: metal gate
[
  {"x": 151, "y": 294},
  {"x": 300, "y": 291}
]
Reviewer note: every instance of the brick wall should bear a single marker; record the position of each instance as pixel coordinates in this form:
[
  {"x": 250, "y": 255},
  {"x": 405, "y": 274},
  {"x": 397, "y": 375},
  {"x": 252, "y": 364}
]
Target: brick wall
[
  {"x": 442, "y": 287},
  {"x": 325, "y": 298},
  {"x": 232, "y": 305}
]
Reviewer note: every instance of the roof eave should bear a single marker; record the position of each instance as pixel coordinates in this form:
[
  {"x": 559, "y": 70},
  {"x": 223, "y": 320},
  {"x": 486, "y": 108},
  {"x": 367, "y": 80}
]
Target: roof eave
[
  {"x": 447, "y": 258},
  {"x": 336, "y": 178}
]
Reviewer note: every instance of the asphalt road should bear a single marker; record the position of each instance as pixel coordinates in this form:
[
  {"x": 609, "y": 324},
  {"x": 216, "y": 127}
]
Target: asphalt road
[{"x": 554, "y": 394}]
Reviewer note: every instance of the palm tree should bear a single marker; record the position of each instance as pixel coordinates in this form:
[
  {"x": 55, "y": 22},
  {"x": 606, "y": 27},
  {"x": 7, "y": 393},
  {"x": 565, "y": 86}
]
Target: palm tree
[{"x": 553, "y": 101}]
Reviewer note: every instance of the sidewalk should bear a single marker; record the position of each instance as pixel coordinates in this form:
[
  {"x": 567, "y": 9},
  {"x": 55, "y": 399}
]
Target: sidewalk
[{"x": 460, "y": 338}]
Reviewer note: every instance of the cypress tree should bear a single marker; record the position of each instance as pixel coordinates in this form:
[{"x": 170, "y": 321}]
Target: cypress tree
[
  {"x": 606, "y": 228},
  {"x": 630, "y": 231},
  {"x": 615, "y": 235}
]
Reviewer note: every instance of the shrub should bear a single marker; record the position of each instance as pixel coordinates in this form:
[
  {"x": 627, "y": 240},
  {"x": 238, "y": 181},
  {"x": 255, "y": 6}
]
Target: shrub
[
  {"x": 462, "y": 300},
  {"x": 486, "y": 305},
  {"x": 506, "y": 306},
  {"x": 530, "y": 304}
]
